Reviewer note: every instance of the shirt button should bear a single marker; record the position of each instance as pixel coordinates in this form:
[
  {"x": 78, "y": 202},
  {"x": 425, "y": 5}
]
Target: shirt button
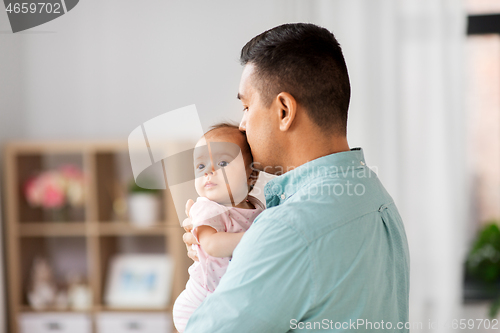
[
  {"x": 283, "y": 197},
  {"x": 362, "y": 163}
]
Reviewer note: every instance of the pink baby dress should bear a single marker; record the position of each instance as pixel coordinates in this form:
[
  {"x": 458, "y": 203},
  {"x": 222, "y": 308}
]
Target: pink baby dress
[{"x": 205, "y": 274}]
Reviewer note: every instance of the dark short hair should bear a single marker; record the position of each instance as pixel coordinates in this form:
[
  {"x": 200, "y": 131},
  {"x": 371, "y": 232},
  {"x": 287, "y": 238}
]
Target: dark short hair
[{"x": 306, "y": 61}]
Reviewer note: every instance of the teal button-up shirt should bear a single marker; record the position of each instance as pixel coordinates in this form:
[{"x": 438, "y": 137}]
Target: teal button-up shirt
[{"x": 328, "y": 254}]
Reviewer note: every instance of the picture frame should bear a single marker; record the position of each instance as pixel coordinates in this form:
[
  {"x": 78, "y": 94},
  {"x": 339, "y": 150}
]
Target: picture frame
[{"x": 139, "y": 281}]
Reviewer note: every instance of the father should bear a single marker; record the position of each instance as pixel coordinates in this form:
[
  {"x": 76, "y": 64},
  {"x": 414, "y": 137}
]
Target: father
[{"x": 330, "y": 252}]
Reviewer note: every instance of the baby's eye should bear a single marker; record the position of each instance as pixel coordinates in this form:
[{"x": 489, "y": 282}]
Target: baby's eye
[
  {"x": 200, "y": 166},
  {"x": 223, "y": 164}
]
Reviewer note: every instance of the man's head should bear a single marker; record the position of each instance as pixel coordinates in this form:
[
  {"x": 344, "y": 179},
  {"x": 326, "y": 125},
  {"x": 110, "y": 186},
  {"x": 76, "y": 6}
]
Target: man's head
[{"x": 297, "y": 66}]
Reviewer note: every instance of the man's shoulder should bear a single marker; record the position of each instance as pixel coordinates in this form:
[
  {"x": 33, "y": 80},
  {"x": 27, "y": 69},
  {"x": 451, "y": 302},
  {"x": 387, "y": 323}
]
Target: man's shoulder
[{"x": 312, "y": 213}]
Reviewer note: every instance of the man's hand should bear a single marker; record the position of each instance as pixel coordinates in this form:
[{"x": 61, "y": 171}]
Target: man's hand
[{"x": 188, "y": 237}]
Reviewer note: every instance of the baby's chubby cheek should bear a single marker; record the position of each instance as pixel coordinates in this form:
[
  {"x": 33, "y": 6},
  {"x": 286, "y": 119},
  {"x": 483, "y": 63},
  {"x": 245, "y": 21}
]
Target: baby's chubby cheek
[{"x": 198, "y": 184}]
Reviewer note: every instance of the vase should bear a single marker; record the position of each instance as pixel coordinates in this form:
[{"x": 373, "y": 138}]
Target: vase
[{"x": 143, "y": 209}]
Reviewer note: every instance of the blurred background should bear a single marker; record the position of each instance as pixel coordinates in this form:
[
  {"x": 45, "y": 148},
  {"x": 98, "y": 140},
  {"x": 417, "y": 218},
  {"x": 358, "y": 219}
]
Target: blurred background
[{"x": 425, "y": 108}]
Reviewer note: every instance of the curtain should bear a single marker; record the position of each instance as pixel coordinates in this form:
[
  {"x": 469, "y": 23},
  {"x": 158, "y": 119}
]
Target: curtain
[{"x": 407, "y": 112}]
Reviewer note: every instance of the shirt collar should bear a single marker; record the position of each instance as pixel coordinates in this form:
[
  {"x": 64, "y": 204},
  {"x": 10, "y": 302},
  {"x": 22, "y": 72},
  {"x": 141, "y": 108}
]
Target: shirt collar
[{"x": 282, "y": 187}]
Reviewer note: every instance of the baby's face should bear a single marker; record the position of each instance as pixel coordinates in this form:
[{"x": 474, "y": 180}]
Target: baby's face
[{"x": 220, "y": 170}]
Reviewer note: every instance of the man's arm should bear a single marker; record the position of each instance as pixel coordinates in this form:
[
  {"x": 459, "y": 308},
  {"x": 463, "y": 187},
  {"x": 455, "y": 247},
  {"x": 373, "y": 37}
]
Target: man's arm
[
  {"x": 217, "y": 244},
  {"x": 267, "y": 284}
]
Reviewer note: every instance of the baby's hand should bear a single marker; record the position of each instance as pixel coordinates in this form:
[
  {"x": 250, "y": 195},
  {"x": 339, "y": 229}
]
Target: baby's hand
[{"x": 188, "y": 237}]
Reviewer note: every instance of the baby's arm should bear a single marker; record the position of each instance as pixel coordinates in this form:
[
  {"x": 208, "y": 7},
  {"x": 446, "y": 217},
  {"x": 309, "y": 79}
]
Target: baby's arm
[{"x": 218, "y": 244}]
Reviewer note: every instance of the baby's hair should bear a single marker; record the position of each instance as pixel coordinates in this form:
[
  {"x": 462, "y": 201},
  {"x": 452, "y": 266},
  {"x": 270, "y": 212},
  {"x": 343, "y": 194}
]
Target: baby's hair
[
  {"x": 220, "y": 125},
  {"x": 245, "y": 150},
  {"x": 231, "y": 126}
]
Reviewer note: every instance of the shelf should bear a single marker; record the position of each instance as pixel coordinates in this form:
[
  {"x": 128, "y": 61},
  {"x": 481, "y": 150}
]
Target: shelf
[
  {"x": 65, "y": 147},
  {"x": 52, "y": 229},
  {"x": 95, "y": 308},
  {"x": 125, "y": 228},
  {"x": 27, "y": 308},
  {"x": 91, "y": 235},
  {"x": 75, "y": 229},
  {"x": 103, "y": 308}
]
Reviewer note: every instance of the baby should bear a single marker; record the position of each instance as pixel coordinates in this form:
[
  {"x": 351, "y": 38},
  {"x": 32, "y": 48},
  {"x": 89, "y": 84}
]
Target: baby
[{"x": 222, "y": 213}]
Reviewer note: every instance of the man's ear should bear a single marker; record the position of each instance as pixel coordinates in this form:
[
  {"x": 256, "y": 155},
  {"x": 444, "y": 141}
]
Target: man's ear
[{"x": 287, "y": 106}]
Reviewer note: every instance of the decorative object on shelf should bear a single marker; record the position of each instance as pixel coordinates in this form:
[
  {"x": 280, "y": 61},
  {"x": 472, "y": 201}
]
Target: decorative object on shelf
[
  {"x": 143, "y": 206},
  {"x": 483, "y": 263},
  {"x": 42, "y": 292},
  {"x": 56, "y": 190},
  {"x": 79, "y": 294},
  {"x": 120, "y": 208},
  {"x": 139, "y": 281}
]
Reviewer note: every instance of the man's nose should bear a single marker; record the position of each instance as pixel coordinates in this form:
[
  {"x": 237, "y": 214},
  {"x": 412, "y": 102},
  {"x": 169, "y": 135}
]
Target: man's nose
[{"x": 243, "y": 124}]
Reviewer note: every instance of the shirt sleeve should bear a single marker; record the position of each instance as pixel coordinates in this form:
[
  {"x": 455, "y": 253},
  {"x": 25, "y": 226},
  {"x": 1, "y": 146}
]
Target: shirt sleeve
[
  {"x": 267, "y": 284},
  {"x": 208, "y": 213}
]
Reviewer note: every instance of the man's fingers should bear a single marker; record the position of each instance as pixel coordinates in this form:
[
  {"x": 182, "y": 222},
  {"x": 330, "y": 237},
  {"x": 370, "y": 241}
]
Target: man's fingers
[
  {"x": 189, "y": 239},
  {"x": 189, "y": 203},
  {"x": 193, "y": 256},
  {"x": 187, "y": 224}
]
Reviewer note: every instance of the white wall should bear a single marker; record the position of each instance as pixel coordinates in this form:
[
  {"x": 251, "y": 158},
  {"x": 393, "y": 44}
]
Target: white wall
[
  {"x": 107, "y": 66},
  {"x": 11, "y": 80}
]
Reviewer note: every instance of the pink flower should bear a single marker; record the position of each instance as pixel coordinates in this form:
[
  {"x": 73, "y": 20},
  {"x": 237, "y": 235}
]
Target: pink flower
[
  {"x": 53, "y": 189},
  {"x": 53, "y": 197},
  {"x": 32, "y": 192}
]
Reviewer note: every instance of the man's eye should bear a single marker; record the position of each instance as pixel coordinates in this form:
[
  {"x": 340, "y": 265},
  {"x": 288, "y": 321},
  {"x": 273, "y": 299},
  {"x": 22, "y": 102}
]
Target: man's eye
[
  {"x": 200, "y": 166},
  {"x": 223, "y": 164}
]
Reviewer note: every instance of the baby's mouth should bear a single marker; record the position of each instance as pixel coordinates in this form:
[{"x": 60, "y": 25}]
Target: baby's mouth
[{"x": 210, "y": 184}]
